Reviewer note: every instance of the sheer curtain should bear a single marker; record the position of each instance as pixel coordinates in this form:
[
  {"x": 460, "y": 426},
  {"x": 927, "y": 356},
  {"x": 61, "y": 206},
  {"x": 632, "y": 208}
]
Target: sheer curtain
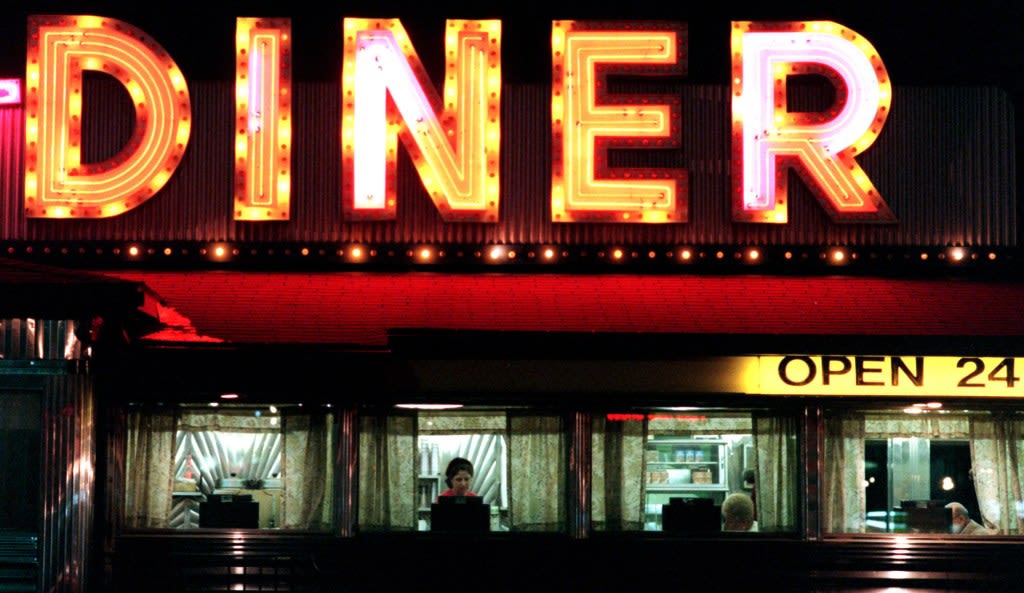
[
  {"x": 387, "y": 457},
  {"x": 845, "y": 504},
  {"x": 996, "y": 454},
  {"x": 308, "y": 474},
  {"x": 617, "y": 471},
  {"x": 777, "y": 465},
  {"x": 536, "y": 473},
  {"x": 150, "y": 468}
]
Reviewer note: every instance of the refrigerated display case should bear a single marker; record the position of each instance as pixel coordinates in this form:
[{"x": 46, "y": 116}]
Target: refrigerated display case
[{"x": 683, "y": 468}]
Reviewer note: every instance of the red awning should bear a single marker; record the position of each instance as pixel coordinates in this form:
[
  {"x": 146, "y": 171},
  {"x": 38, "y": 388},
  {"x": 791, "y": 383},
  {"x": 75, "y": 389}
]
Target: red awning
[{"x": 361, "y": 308}]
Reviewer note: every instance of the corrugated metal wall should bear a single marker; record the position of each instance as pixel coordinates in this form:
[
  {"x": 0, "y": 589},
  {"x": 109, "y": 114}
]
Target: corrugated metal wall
[{"x": 945, "y": 164}]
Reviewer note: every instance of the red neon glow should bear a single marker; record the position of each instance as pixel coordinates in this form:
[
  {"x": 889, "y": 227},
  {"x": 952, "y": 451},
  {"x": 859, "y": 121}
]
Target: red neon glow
[
  {"x": 654, "y": 416},
  {"x": 57, "y": 183},
  {"x": 587, "y": 120},
  {"x": 263, "y": 115},
  {"x": 453, "y": 138},
  {"x": 768, "y": 139},
  {"x": 10, "y": 91}
]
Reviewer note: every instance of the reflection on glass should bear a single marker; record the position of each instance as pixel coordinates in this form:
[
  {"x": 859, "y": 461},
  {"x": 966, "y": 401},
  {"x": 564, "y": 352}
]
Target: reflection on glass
[
  {"x": 889, "y": 471},
  {"x": 518, "y": 458},
  {"x": 643, "y": 460},
  {"x": 224, "y": 466}
]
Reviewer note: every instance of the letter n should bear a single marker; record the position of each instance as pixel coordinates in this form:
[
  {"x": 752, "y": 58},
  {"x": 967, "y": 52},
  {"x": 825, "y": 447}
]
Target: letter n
[{"x": 453, "y": 139}]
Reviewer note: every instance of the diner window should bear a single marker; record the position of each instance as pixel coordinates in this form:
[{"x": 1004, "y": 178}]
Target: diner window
[
  {"x": 672, "y": 469},
  {"x": 923, "y": 468},
  {"x": 517, "y": 480},
  {"x": 265, "y": 467}
]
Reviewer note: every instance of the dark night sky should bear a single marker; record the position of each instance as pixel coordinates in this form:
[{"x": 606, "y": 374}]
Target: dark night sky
[{"x": 965, "y": 43}]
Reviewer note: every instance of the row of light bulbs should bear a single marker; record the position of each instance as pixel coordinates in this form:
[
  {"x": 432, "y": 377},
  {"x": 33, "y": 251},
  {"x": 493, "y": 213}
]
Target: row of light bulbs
[{"x": 223, "y": 252}]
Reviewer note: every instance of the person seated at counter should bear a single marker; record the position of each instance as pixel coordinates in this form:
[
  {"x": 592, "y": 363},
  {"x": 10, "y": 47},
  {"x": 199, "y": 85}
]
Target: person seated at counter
[
  {"x": 963, "y": 524},
  {"x": 457, "y": 476},
  {"x": 738, "y": 513}
]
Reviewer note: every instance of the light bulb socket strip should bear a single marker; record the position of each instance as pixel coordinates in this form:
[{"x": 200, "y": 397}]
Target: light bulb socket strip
[{"x": 514, "y": 257}]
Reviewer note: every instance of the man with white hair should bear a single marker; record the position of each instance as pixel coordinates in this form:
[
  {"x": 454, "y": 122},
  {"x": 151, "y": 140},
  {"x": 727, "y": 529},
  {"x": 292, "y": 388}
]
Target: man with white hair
[{"x": 962, "y": 522}]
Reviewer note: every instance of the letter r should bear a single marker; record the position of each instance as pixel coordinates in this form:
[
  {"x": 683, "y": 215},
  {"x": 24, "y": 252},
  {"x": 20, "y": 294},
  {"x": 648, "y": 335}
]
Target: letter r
[{"x": 768, "y": 139}]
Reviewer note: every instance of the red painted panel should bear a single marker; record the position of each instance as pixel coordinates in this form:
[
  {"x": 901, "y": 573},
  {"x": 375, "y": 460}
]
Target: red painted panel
[{"x": 359, "y": 308}]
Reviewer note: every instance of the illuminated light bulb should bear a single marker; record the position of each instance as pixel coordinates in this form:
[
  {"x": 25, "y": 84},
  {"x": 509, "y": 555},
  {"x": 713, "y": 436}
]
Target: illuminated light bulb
[
  {"x": 304, "y": 251},
  {"x": 912, "y": 410},
  {"x": 495, "y": 253},
  {"x": 219, "y": 251},
  {"x": 924, "y": 256},
  {"x": 512, "y": 254},
  {"x": 686, "y": 255},
  {"x": 838, "y": 256},
  {"x": 167, "y": 251},
  {"x": 424, "y": 254},
  {"x": 357, "y": 252},
  {"x": 133, "y": 251},
  {"x": 229, "y": 396},
  {"x": 617, "y": 254},
  {"x": 948, "y": 484},
  {"x": 549, "y": 253},
  {"x": 719, "y": 254},
  {"x": 957, "y": 254},
  {"x": 933, "y": 405}
]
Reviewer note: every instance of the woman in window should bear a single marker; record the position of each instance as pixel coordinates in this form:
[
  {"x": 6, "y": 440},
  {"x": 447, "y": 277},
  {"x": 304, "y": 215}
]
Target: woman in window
[{"x": 458, "y": 475}]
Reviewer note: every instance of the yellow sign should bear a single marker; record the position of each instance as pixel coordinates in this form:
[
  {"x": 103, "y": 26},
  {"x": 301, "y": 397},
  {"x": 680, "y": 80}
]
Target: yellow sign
[{"x": 845, "y": 375}]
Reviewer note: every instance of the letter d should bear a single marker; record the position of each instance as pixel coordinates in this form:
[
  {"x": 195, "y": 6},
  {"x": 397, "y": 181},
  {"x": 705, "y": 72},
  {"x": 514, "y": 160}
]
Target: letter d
[{"x": 57, "y": 183}]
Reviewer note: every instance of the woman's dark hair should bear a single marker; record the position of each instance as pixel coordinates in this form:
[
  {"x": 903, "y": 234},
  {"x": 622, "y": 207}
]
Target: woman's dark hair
[{"x": 455, "y": 466}]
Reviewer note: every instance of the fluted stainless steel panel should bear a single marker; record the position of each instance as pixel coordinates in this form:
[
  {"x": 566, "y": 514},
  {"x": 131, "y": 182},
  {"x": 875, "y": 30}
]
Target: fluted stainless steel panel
[
  {"x": 944, "y": 162},
  {"x": 68, "y": 482},
  {"x": 579, "y": 474},
  {"x": 39, "y": 339},
  {"x": 346, "y": 467}
]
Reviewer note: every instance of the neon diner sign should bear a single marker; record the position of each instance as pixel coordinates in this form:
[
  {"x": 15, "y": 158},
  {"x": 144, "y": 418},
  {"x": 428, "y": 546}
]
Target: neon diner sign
[{"x": 453, "y": 134}]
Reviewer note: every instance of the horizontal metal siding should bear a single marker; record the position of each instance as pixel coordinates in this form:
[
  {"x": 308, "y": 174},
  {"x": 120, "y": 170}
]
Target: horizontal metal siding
[{"x": 944, "y": 163}]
